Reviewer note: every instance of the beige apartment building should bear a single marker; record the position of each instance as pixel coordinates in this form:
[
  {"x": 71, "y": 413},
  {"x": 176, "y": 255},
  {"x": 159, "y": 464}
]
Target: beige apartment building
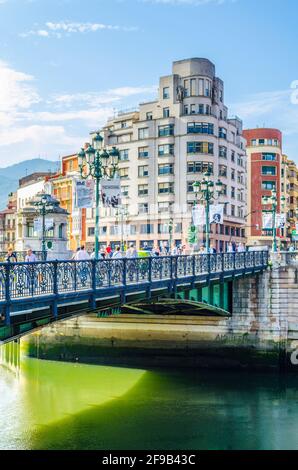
[{"x": 165, "y": 146}]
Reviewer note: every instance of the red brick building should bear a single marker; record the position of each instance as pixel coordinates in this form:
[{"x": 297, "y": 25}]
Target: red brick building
[{"x": 264, "y": 158}]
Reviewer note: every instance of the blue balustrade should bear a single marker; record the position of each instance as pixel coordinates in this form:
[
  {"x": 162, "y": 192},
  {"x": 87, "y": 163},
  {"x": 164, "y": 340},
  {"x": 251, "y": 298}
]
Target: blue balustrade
[{"x": 56, "y": 280}]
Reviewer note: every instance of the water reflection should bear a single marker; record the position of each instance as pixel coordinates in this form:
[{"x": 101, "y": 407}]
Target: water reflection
[{"x": 51, "y": 405}]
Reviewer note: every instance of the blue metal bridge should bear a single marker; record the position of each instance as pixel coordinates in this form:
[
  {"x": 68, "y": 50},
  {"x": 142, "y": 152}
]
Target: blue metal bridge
[{"x": 35, "y": 294}]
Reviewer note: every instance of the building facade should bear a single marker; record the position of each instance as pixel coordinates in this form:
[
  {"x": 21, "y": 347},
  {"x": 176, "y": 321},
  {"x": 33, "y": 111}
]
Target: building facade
[
  {"x": 63, "y": 188},
  {"x": 8, "y": 224},
  {"x": 267, "y": 171},
  {"x": 165, "y": 147}
]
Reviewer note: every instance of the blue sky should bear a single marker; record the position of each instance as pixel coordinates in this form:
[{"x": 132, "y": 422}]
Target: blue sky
[{"x": 66, "y": 65}]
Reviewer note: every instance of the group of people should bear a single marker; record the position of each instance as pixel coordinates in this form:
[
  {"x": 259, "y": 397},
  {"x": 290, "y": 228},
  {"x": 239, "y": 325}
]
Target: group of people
[
  {"x": 12, "y": 257},
  {"x": 82, "y": 254}
]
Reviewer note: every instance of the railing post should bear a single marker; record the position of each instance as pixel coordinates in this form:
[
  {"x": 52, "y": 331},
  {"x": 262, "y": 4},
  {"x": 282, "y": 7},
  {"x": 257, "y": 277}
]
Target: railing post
[
  {"x": 149, "y": 277},
  {"x": 93, "y": 284},
  {"x": 234, "y": 261},
  {"x": 7, "y": 294},
  {"x": 55, "y": 289}
]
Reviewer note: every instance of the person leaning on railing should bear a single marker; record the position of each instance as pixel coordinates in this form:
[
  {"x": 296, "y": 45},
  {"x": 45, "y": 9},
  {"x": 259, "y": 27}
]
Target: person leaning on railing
[{"x": 11, "y": 257}]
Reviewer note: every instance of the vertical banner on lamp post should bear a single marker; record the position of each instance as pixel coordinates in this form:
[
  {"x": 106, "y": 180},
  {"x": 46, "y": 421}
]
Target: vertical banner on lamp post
[
  {"x": 280, "y": 221},
  {"x": 49, "y": 224},
  {"x": 198, "y": 215},
  {"x": 267, "y": 221},
  {"x": 111, "y": 193},
  {"x": 37, "y": 225},
  {"x": 84, "y": 194},
  {"x": 216, "y": 214}
]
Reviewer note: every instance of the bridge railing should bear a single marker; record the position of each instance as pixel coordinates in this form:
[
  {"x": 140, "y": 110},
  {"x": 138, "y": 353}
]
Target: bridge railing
[{"x": 58, "y": 279}]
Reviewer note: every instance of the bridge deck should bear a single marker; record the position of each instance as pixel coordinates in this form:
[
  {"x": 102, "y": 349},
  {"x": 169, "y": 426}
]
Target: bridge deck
[{"x": 39, "y": 290}]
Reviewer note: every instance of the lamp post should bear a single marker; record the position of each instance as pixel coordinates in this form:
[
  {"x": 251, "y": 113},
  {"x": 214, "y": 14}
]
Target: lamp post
[
  {"x": 95, "y": 162},
  {"x": 122, "y": 214},
  {"x": 205, "y": 191},
  {"x": 44, "y": 205},
  {"x": 273, "y": 201}
]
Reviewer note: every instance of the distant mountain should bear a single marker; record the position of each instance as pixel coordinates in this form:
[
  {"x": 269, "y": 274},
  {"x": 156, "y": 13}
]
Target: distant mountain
[{"x": 9, "y": 176}]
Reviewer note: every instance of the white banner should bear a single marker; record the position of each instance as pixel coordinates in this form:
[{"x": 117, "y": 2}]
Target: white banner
[
  {"x": 84, "y": 194},
  {"x": 267, "y": 221},
  {"x": 37, "y": 225},
  {"x": 111, "y": 192},
  {"x": 296, "y": 226},
  {"x": 216, "y": 214},
  {"x": 280, "y": 221},
  {"x": 49, "y": 224},
  {"x": 198, "y": 215}
]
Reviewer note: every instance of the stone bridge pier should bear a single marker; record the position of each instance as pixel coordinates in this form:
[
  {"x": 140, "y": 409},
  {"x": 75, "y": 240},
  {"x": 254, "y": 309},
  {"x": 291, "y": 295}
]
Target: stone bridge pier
[
  {"x": 261, "y": 332},
  {"x": 264, "y": 322}
]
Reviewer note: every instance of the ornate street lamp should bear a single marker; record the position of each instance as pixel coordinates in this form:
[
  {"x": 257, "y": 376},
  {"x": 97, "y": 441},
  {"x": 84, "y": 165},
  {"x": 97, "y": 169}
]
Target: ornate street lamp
[
  {"x": 98, "y": 163},
  {"x": 206, "y": 191},
  {"x": 273, "y": 201},
  {"x": 45, "y": 204}
]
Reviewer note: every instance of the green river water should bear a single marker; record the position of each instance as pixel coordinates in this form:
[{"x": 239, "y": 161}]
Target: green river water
[{"x": 56, "y": 405}]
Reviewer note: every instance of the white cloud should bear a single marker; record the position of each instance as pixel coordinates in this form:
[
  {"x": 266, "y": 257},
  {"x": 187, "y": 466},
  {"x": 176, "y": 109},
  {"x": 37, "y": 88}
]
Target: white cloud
[
  {"x": 32, "y": 125},
  {"x": 16, "y": 90},
  {"x": 66, "y": 28}
]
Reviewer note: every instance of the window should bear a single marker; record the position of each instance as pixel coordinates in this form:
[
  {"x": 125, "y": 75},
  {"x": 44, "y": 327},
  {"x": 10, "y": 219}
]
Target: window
[
  {"x": 163, "y": 228},
  {"x": 164, "y": 131},
  {"x": 143, "y": 152},
  {"x": 166, "y": 112},
  {"x": 200, "y": 128},
  {"x": 123, "y": 124},
  {"x": 199, "y": 167},
  {"x": 163, "y": 207},
  {"x": 192, "y": 109},
  {"x": 201, "y": 86},
  {"x": 143, "y": 208},
  {"x": 193, "y": 87},
  {"x": 200, "y": 147},
  {"x": 222, "y": 133},
  {"x": 268, "y": 185},
  {"x": 270, "y": 157},
  {"x": 201, "y": 109},
  {"x": 91, "y": 231},
  {"x": 223, "y": 151},
  {"x": 143, "y": 189},
  {"x": 166, "y": 188},
  {"x": 143, "y": 171},
  {"x": 186, "y": 109},
  {"x": 178, "y": 227},
  {"x": 166, "y": 93},
  {"x": 190, "y": 186},
  {"x": 232, "y": 192},
  {"x": 123, "y": 154},
  {"x": 233, "y": 174},
  {"x": 186, "y": 87},
  {"x": 167, "y": 149},
  {"x": 144, "y": 133},
  {"x": 232, "y": 213},
  {"x": 166, "y": 169},
  {"x": 114, "y": 230},
  {"x": 232, "y": 156},
  {"x": 146, "y": 228},
  {"x": 224, "y": 189},
  {"x": 253, "y": 142},
  {"x": 149, "y": 116},
  {"x": 124, "y": 191},
  {"x": 208, "y": 88},
  {"x": 60, "y": 231},
  {"x": 269, "y": 170},
  {"x": 123, "y": 173},
  {"x": 223, "y": 170}
]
